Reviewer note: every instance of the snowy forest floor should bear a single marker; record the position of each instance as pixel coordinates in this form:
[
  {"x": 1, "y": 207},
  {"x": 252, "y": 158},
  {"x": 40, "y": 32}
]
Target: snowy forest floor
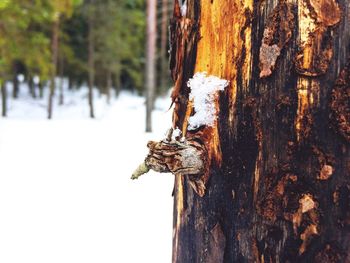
[{"x": 65, "y": 188}]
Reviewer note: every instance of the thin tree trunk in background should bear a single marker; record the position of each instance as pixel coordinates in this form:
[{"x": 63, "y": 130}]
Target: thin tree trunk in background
[
  {"x": 108, "y": 85},
  {"x": 91, "y": 62},
  {"x": 279, "y": 153},
  {"x": 31, "y": 86},
  {"x": 4, "y": 98},
  {"x": 55, "y": 31},
  {"x": 15, "y": 82},
  {"x": 41, "y": 89},
  {"x": 70, "y": 83},
  {"x": 117, "y": 83},
  {"x": 61, "y": 70},
  {"x": 164, "y": 75},
  {"x": 150, "y": 61},
  {"x": 15, "y": 87},
  {"x": 117, "y": 78}
]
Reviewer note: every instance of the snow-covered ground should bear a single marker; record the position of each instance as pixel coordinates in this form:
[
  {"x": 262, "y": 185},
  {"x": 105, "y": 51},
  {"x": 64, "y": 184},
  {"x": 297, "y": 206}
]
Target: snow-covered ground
[{"x": 65, "y": 189}]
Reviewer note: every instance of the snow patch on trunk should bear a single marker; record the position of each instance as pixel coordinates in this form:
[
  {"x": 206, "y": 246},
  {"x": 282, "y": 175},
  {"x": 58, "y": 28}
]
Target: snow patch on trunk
[
  {"x": 203, "y": 95},
  {"x": 184, "y": 8},
  {"x": 177, "y": 133}
]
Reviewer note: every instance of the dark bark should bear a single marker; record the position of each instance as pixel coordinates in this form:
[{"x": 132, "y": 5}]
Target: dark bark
[
  {"x": 4, "y": 99},
  {"x": 278, "y": 187},
  {"x": 91, "y": 63},
  {"x": 150, "y": 61}
]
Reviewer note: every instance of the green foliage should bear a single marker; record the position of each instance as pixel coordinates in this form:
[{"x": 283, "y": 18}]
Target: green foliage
[
  {"x": 22, "y": 36},
  {"x": 118, "y": 32},
  {"x": 4, "y": 4}
]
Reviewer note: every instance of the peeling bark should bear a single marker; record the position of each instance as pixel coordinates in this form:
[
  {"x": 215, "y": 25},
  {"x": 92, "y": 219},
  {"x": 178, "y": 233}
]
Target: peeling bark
[{"x": 277, "y": 33}]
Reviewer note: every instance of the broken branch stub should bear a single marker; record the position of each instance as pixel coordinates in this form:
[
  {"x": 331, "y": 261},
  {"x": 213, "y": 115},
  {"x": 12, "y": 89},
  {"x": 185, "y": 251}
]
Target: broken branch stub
[{"x": 185, "y": 159}]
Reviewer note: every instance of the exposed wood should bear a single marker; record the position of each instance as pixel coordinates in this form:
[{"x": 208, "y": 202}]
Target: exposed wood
[{"x": 316, "y": 19}]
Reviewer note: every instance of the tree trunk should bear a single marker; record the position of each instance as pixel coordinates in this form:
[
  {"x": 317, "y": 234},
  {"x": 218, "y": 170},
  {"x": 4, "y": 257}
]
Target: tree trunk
[
  {"x": 273, "y": 184},
  {"x": 150, "y": 61},
  {"x": 61, "y": 70},
  {"x": 164, "y": 75},
  {"x": 117, "y": 83},
  {"x": 4, "y": 98},
  {"x": 108, "y": 86},
  {"x": 41, "y": 89},
  {"x": 70, "y": 83},
  {"x": 15, "y": 82},
  {"x": 91, "y": 63},
  {"x": 32, "y": 86},
  {"x": 55, "y": 31}
]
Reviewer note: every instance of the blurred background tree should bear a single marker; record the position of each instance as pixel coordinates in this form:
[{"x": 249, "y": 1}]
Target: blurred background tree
[{"x": 90, "y": 44}]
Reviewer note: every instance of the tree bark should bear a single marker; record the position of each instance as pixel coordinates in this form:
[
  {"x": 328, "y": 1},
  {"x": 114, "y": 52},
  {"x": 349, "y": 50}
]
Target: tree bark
[
  {"x": 54, "y": 48},
  {"x": 150, "y": 61},
  {"x": 277, "y": 187},
  {"x": 4, "y": 98},
  {"x": 91, "y": 62}
]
